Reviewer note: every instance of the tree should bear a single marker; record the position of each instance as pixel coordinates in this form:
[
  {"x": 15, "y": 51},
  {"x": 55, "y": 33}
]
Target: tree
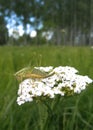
[
  {"x": 70, "y": 15},
  {"x": 3, "y": 32}
]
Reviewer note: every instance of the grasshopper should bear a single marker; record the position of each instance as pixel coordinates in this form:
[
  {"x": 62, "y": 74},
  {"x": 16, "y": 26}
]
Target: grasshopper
[{"x": 34, "y": 73}]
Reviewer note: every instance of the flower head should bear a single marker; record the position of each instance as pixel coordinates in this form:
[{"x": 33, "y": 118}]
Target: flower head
[{"x": 63, "y": 81}]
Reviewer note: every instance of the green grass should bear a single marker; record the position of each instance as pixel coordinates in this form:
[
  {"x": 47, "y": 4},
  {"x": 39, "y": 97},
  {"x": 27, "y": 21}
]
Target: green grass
[{"x": 69, "y": 113}]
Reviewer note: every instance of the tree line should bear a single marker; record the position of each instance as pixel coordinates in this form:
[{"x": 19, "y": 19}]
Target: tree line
[{"x": 71, "y": 21}]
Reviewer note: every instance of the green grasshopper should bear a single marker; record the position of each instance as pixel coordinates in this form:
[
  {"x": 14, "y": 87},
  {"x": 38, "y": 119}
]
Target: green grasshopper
[{"x": 34, "y": 73}]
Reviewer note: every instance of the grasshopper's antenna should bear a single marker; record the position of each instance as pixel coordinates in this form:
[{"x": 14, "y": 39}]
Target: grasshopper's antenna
[{"x": 40, "y": 59}]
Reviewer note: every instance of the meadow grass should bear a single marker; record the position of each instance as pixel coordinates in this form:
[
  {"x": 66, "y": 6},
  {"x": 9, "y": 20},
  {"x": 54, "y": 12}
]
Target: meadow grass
[{"x": 69, "y": 113}]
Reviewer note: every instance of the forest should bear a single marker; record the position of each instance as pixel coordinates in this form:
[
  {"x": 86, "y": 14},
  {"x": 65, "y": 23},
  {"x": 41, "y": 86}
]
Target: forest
[{"x": 61, "y": 22}]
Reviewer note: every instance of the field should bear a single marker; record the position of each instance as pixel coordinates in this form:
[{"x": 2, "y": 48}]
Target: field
[{"x": 69, "y": 113}]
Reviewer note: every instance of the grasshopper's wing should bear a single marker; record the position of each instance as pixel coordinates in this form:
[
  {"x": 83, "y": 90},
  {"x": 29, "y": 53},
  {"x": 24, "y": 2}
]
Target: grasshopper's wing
[{"x": 39, "y": 72}]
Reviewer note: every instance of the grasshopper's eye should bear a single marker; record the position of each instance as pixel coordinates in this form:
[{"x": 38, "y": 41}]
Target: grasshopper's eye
[{"x": 19, "y": 78}]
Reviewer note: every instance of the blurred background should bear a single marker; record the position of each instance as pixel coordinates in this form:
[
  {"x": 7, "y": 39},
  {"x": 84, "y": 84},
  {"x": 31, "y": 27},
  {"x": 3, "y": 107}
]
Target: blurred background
[{"x": 39, "y": 22}]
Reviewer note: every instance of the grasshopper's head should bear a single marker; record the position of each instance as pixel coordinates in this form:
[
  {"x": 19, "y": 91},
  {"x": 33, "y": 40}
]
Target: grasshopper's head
[
  {"x": 18, "y": 76},
  {"x": 21, "y": 73}
]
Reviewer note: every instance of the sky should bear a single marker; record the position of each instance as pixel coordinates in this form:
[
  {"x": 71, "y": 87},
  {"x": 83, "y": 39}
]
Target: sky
[
  {"x": 16, "y": 29},
  {"x": 13, "y": 26}
]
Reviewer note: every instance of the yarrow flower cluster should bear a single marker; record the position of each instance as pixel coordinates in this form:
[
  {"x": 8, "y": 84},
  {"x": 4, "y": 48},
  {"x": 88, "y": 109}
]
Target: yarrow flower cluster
[{"x": 62, "y": 81}]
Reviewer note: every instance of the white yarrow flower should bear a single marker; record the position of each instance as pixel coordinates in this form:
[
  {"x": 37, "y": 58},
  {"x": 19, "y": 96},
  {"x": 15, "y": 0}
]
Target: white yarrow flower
[{"x": 64, "y": 81}]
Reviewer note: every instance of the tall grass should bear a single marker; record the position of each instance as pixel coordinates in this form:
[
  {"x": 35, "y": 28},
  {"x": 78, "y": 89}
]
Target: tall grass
[{"x": 69, "y": 113}]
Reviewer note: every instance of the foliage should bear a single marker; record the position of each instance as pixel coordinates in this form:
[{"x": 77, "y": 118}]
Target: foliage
[
  {"x": 3, "y": 32},
  {"x": 73, "y": 113},
  {"x": 75, "y": 17}
]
